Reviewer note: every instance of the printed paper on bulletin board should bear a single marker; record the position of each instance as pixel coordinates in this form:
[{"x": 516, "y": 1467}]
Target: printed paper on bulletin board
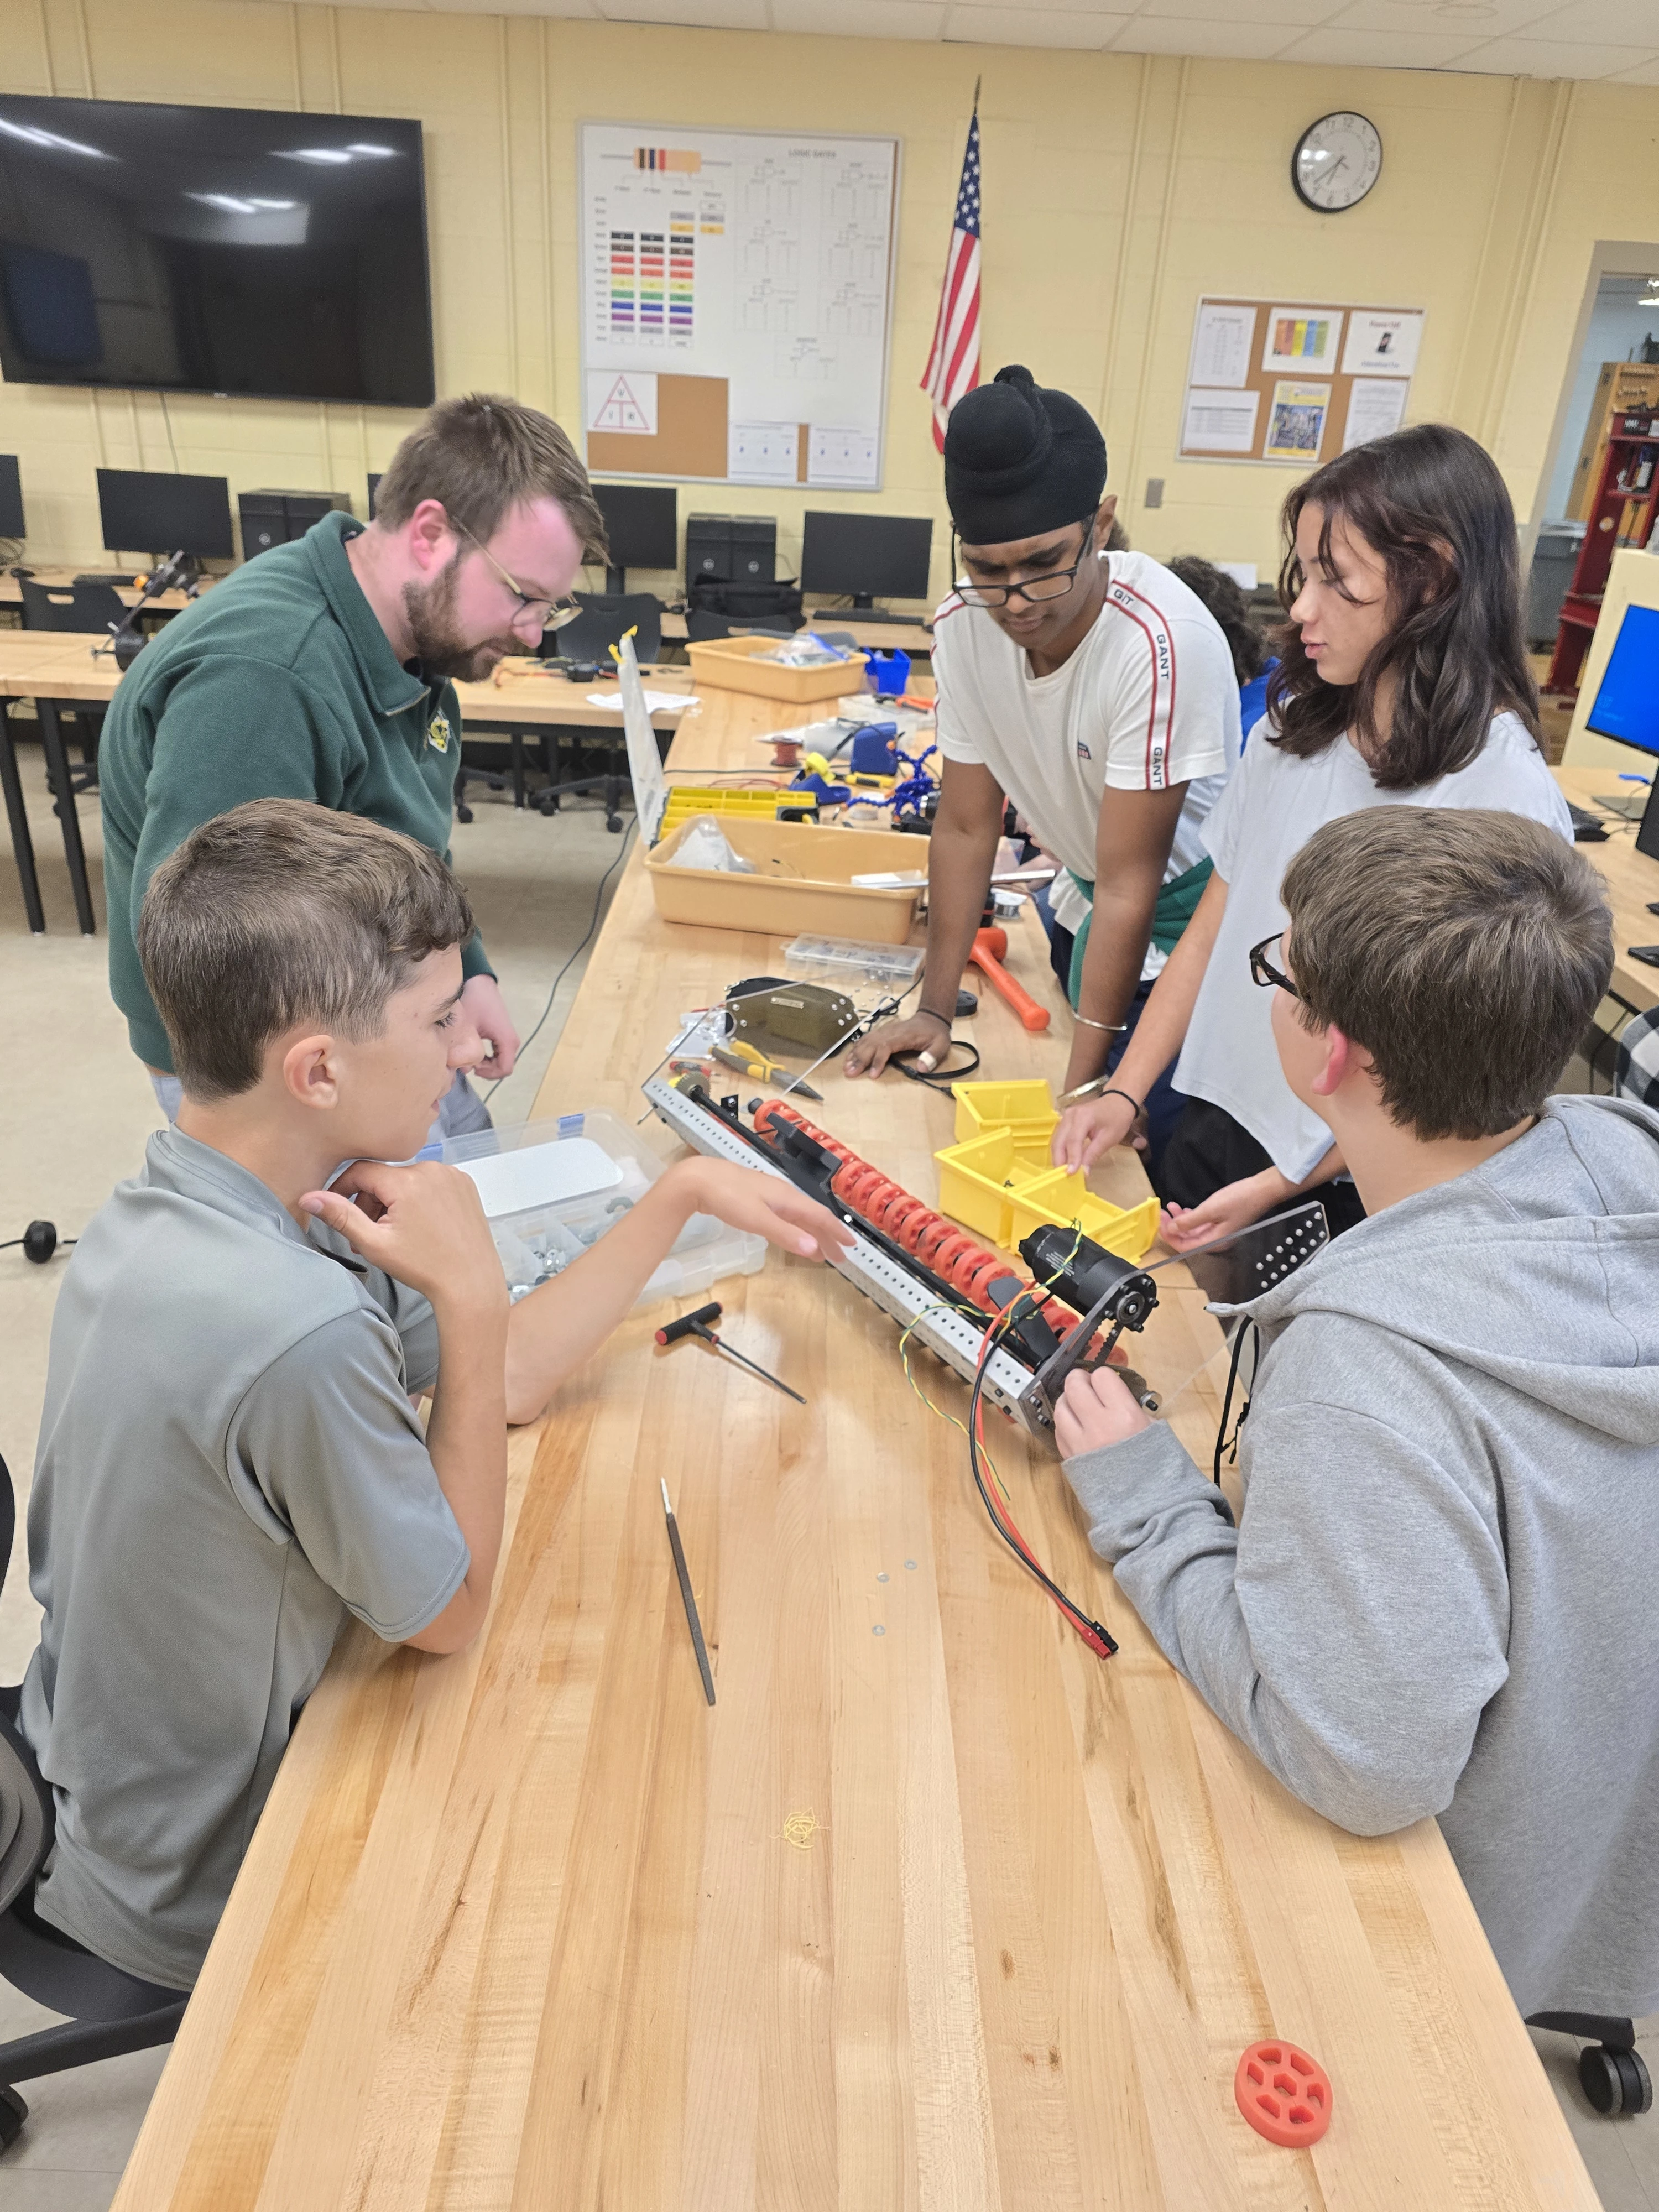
[
  {"x": 737, "y": 302},
  {"x": 1242, "y": 403}
]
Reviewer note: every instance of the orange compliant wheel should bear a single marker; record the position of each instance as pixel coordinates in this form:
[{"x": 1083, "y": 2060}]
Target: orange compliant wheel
[{"x": 1283, "y": 2094}]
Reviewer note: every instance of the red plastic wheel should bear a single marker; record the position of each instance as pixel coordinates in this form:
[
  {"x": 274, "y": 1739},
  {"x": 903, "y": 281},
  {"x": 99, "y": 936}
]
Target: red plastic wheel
[{"x": 1284, "y": 2093}]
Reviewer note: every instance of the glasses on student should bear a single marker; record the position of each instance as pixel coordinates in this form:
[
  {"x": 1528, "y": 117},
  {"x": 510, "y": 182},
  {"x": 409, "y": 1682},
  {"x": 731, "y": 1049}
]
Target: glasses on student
[
  {"x": 1053, "y": 585},
  {"x": 548, "y": 614},
  {"x": 1263, "y": 971}
]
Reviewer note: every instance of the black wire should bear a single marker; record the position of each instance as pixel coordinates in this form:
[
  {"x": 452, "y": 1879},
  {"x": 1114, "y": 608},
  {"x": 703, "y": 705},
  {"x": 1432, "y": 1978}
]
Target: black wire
[
  {"x": 593, "y": 924},
  {"x": 1074, "y": 1612},
  {"x": 937, "y": 1079},
  {"x": 1223, "y": 1442}
]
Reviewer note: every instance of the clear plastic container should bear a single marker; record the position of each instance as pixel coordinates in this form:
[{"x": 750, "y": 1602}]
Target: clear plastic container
[
  {"x": 839, "y": 958},
  {"x": 550, "y": 1217}
]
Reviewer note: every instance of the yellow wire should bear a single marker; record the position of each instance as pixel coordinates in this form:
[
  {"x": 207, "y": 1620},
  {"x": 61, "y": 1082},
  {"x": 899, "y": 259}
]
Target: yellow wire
[{"x": 970, "y": 1313}]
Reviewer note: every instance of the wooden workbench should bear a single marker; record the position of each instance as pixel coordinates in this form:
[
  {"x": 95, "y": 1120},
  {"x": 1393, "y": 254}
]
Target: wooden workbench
[
  {"x": 934, "y": 1909},
  {"x": 68, "y": 664},
  {"x": 1632, "y": 880}
]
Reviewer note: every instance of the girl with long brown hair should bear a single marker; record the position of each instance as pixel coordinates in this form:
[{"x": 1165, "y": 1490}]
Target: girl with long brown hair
[{"x": 1403, "y": 680}]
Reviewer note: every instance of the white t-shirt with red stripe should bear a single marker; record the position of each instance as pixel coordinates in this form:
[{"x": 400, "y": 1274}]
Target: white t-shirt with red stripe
[{"x": 1149, "y": 699}]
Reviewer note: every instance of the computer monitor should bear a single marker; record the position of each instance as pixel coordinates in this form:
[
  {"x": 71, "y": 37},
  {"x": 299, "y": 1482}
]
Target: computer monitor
[
  {"x": 1626, "y": 701},
  {"x": 145, "y": 511},
  {"x": 11, "y": 497},
  {"x": 869, "y": 555},
  {"x": 642, "y": 525}
]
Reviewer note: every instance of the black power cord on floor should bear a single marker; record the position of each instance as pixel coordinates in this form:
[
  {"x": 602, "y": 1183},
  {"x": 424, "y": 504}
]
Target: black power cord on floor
[
  {"x": 39, "y": 1241},
  {"x": 593, "y": 924}
]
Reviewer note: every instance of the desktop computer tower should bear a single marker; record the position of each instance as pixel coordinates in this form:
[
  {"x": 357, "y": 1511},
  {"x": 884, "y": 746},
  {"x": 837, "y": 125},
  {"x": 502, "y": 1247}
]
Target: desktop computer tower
[
  {"x": 731, "y": 548},
  {"x": 278, "y": 518}
]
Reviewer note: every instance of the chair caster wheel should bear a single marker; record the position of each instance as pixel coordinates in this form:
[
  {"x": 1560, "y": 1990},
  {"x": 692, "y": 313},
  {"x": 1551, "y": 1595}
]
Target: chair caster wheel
[
  {"x": 613, "y": 824},
  {"x": 13, "y": 2113},
  {"x": 462, "y": 813},
  {"x": 1617, "y": 2083}
]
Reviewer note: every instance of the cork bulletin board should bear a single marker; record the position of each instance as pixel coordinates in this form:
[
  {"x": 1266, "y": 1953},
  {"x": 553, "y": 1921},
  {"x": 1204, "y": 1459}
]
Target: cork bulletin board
[{"x": 1280, "y": 381}]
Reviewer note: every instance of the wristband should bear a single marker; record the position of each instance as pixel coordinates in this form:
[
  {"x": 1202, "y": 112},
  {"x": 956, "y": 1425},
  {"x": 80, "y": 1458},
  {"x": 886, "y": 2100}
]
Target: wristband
[
  {"x": 933, "y": 1017},
  {"x": 1110, "y": 1091}
]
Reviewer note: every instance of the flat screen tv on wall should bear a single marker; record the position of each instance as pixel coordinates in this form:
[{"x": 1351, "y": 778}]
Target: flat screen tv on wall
[{"x": 229, "y": 250}]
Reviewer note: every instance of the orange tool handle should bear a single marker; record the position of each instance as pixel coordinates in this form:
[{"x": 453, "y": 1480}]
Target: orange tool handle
[{"x": 1033, "y": 1016}]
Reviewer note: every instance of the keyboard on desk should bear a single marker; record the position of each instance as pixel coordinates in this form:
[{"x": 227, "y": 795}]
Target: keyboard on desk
[
  {"x": 118, "y": 579},
  {"x": 1588, "y": 829}
]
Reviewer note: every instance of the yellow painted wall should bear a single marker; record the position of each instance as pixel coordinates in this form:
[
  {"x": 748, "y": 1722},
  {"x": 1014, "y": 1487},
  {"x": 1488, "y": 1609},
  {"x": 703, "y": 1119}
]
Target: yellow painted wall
[{"x": 1116, "y": 189}]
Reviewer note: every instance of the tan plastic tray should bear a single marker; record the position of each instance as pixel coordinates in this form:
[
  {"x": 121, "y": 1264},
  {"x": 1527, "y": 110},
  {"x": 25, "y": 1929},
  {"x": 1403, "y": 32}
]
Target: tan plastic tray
[
  {"x": 730, "y": 664},
  {"x": 802, "y": 882}
]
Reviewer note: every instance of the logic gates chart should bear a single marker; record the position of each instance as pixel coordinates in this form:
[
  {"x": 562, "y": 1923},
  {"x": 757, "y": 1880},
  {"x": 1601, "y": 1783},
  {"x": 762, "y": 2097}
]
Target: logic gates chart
[{"x": 735, "y": 301}]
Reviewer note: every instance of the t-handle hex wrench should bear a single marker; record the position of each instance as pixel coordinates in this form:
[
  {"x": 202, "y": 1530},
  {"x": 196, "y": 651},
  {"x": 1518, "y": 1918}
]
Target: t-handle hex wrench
[{"x": 696, "y": 1324}]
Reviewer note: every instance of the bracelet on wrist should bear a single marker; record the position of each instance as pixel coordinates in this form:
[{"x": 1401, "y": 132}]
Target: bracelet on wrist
[
  {"x": 934, "y": 1015},
  {"x": 1112, "y": 1029}
]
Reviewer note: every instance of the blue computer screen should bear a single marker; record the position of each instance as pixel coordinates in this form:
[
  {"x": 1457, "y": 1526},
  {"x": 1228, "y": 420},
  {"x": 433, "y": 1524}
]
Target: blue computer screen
[{"x": 1628, "y": 704}]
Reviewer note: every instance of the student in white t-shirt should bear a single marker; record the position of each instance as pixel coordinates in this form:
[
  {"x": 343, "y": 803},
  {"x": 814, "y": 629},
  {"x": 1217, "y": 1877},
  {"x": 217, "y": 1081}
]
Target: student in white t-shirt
[
  {"x": 1404, "y": 682},
  {"x": 1096, "y": 692}
]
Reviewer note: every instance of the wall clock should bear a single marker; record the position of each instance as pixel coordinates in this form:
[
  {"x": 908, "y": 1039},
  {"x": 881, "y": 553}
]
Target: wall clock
[{"x": 1336, "y": 163}]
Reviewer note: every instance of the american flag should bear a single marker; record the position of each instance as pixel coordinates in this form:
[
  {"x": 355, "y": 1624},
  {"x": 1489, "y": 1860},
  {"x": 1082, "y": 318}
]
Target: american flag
[{"x": 953, "y": 365}]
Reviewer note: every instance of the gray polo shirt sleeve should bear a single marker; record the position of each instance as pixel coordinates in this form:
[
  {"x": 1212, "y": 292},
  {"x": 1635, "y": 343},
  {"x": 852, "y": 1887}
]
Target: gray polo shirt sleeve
[{"x": 326, "y": 1449}]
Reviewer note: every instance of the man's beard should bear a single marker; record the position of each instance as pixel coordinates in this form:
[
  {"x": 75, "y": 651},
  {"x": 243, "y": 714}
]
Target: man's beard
[{"x": 430, "y": 614}]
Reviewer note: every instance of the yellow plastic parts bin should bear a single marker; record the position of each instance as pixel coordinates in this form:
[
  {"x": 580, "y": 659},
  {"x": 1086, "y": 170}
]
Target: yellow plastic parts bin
[
  {"x": 1027, "y": 1109},
  {"x": 732, "y": 664},
  {"x": 1066, "y": 1200},
  {"x": 685, "y": 800},
  {"x": 975, "y": 1184},
  {"x": 802, "y": 885}
]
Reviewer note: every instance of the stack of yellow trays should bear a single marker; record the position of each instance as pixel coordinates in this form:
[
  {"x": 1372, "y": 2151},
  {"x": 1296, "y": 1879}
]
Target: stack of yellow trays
[
  {"x": 999, "y": 1180},
  {"x": 685, "y": 800}
]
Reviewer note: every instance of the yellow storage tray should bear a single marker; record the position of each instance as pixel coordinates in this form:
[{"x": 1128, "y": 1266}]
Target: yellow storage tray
[
  {"x": 731, "y": 663},
  {"x": 1065, "y": 1200},
  {"x": 975, "y": 1184},
  {"x": 685, "y": 800},
  {"x": 802, "y": 885},
  {"x": 1026, "y": 1108}
]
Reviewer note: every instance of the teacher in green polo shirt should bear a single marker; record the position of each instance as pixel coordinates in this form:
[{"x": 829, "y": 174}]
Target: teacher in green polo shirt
[{"x": 326, "y": 670}]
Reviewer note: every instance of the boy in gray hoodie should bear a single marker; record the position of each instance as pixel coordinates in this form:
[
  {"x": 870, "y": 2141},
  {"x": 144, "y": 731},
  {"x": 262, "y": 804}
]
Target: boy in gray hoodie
[{"x": 1443, "y": 1595}]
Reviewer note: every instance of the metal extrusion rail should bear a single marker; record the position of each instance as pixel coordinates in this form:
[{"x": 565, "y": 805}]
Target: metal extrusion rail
[{"x": 945, "y": 1332}]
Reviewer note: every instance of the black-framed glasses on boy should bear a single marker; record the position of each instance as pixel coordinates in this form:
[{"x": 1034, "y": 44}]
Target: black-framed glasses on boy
[
  {"x": 1054, "y": 584},
  {"x": 1263, "y": 971}
]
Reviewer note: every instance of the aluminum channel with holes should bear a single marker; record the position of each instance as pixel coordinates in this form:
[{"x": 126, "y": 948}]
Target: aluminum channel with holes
[{"x": 948, "y": 1334}]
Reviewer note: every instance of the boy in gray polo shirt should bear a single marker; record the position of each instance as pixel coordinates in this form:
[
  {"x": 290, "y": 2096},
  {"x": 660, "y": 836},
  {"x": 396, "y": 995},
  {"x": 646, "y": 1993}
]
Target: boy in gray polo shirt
[{"x": 229, "y": 1463}]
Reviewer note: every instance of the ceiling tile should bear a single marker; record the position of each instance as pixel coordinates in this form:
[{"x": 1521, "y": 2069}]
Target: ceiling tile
[
  {"x": 861, "y": 19},
  {"x": 1243, "y": 42},
  {"x": 702, "y": 14},
  {"x": 1475, "y": 19},
  {"x": 1358, "y": 49},
  {"x": 1549, "y": 58},
  {"x": 1295, "y": 14},
  {"x": 1604, "y": 23},
  {"x": 1032, "y": 27},
  {"x": 1644, "y": 73}
]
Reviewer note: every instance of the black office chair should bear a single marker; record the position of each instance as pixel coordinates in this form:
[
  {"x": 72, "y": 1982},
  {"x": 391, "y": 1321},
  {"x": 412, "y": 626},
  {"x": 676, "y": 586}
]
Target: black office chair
[
  {"x": 70, "y": 606},
  {"x": 1611, "y": 2069},
  {"x": 81, "y": 608},
  {"x": 700, "y": 629},
  {"x": 110, "y": 2012},
  {"x": 605, "y": 619}
]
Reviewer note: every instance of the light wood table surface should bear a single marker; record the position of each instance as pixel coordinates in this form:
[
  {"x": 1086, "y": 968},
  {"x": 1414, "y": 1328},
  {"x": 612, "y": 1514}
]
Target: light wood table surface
[
  {"x": 60, "y": 579},
  {"x": 933, "y": 1912},
  {"x": 1632, "y": 879},
  {"x": 65, "y": 663}
]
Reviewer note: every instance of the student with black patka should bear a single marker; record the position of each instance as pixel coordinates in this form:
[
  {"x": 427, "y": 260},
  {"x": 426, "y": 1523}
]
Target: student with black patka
[{"x": 1095, "y": 691}]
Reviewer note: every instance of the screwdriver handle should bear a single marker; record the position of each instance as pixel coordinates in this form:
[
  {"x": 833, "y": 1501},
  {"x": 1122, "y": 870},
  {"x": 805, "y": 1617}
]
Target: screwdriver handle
[{"x": 687, "y": 1324}]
